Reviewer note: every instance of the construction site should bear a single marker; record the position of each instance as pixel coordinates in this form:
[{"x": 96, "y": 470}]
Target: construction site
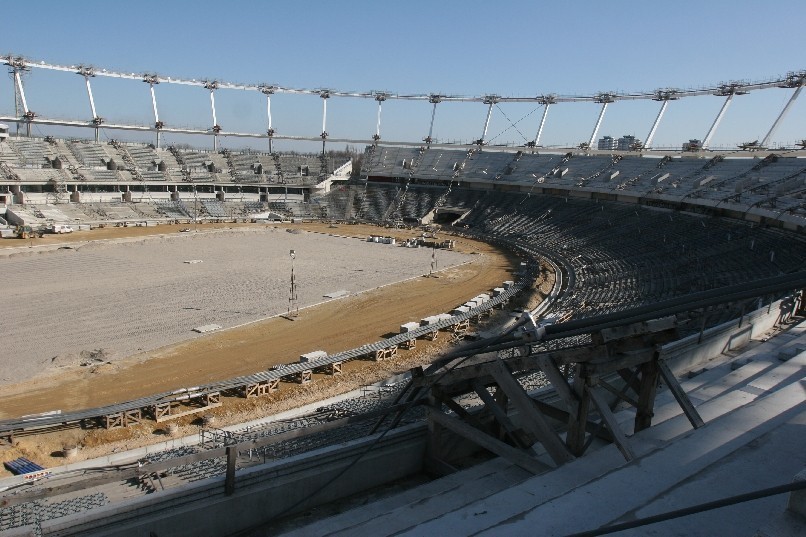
[{"x": 456, "y": 338}]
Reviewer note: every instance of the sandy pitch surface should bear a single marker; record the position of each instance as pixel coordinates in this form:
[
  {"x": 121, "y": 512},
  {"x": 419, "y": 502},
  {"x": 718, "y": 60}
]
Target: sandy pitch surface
[{"x": 147, "y": 279}]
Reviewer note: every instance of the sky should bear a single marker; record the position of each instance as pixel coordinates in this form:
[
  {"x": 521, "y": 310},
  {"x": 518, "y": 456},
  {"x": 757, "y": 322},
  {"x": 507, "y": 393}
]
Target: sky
[{"x": 472, "y": 48}]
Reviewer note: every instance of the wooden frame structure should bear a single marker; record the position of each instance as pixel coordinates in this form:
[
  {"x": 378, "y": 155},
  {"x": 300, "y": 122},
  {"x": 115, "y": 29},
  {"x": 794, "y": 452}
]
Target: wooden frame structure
[
  {"x": 384, "y": 354},
  {"x": 621, "y": 367},
  {"x": 261, "y": 388},
  {"x": 168, "y": 410},
  {"x": 123, "y": 418}
]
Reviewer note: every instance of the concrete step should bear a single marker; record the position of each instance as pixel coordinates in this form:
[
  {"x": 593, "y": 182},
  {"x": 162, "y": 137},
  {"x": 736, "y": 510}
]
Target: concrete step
[
  {"x": 720, "y": 377},
  {"x": 418, "y": 504},
  {"x": 541, "y": 489},
  {"x": 628, "y": 489}
]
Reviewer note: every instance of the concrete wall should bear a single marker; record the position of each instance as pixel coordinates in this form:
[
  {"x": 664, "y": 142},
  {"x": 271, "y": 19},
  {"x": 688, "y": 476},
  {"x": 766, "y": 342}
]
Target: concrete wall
[
  {"x": 686, "y": 354},
  {"x": 261, "y": 494}
]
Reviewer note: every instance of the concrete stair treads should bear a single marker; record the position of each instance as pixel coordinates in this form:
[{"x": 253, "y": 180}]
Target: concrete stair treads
[
  {"x": 629, "y": 488},
  {"x": 417, "y": 505},
  {"x": 728, "y": 406}
]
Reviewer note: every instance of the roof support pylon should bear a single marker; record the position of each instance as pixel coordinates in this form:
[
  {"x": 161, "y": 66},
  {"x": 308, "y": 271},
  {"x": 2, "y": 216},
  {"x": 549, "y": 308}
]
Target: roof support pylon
[
  {"x": 707, "y": 141},
  {"x": 651, "y": 134},
  {"x": 598, "y": 123},
  {"x": 781, "y": 116}
]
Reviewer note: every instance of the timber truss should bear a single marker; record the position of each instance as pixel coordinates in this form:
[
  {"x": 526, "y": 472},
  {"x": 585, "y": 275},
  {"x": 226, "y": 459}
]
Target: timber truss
[{"x": 621, "y": 366}]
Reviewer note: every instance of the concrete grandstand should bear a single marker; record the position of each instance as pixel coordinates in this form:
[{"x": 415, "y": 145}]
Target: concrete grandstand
[{"x": 671, "y": 268}]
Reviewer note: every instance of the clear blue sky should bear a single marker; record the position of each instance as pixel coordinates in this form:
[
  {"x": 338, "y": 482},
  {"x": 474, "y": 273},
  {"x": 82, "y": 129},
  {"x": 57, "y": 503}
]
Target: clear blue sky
[{"x": 469, "y": 48}]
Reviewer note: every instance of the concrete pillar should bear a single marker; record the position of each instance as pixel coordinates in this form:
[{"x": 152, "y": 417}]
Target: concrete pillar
[{"x": 17, "y": 195}]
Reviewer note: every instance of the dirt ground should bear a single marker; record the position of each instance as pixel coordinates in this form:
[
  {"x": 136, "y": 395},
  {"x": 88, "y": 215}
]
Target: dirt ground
[{"x": 333, "y": 327}]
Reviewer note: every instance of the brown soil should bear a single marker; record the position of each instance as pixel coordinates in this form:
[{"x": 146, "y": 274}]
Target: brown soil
[{"x": 333, "y": 327}]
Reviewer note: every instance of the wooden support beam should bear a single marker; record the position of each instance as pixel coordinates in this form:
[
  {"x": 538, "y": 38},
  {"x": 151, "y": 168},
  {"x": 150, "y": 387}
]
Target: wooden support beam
[
  {"x": 502, "y": 401},
  {"x": 577, "y": 424},
  {"x": 500, "y": 415},
  {"x": 635, "y": 329},
  {"x": 487, "y": 442},
  {"x": 385, "y": 354},
  {"x": 533, "y": 421},
  {"x": 472, "y": 369},
  {"x": 558, "y": 382},
  {"x": 599, "y": 400},
  {"x": 132, "y": 417},
  {"x": 630, "y": 376},
  {"x": 113, "y": 421},
  {"x": 646, "y": 398},
  {"x": 621, "y": 360},
  {"x": 563, "y": 416},
  {"x": 682, "y": 399},
  {"x": 619, "y": 393}
]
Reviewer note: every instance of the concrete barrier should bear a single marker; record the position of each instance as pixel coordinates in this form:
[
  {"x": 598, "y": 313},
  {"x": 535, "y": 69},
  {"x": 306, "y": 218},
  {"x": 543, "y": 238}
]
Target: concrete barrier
[{"x": 261, "y": 494}]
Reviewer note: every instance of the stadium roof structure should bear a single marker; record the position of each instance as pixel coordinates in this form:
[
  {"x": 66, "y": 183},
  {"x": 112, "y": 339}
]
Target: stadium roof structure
[{"x": 18, "y": 64}]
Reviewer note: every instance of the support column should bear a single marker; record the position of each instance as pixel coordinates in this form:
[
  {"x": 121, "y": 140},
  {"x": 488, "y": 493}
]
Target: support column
[
  {"x": 664, "y": 96},
  {"x": 268, "y": 91},
  {"x": 151, "y": 80},
  {"x": 18, "y": 65},
  {"x": 380, "y": 97},
  {"x": 489, "y": 100},
  {"x": 728, "y": 91},
  {"x": 604, "y": 99},
  {"x": 212, "y": 86},
  {"x": 435, "y": 100},
  {"x": 325, "y": 95},
  {"x": 87, "y": 73},
  {"x": 781, "y": 116},
  {"x": 546, "y": 101}
]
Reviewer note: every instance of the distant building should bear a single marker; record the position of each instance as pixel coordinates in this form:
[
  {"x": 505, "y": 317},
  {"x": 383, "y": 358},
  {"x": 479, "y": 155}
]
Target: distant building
[
  {"x": 3, "y": 131},
  {"x": 606, "y": 143},
  {"x": 628, "y": 142},
  {"x": 692, "y": 145}
]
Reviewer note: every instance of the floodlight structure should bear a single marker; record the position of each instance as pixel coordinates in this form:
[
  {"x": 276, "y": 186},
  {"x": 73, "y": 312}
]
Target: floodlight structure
[
  {"x": 728, "y": 91},
  {"x": 212, "y": 85},
  {"x": 604, "y": 99},
  {"x": 664, "y": 96},
  {"x": 153, "y": 80},
  {"x": 268, "y": 91},
  {"x": 434, "y": 99},
  {"x": 380, "y": 97},
  {"x": 293, "y": 304},
  {"x": 793, "y": 80},
  {"x": 433, "y": 260}
]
